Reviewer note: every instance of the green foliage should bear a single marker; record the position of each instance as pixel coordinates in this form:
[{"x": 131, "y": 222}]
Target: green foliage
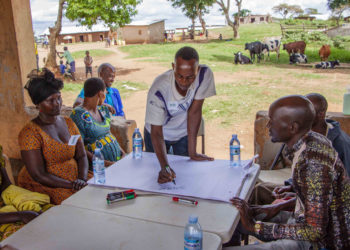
[
  {"x": 93, "y": 53},
  {"x": 316, "y": 37},
  {"x": 243, "y": 13},
  {"x": 114, "y": 13},
  {"x": 285, "y": 9},
  {"x": 191, "y": 8}
]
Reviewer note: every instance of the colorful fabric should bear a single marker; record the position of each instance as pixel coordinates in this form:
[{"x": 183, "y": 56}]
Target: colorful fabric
[
  {"x": 97, "y": 134},
  {"x": 112, "y": 98},
  {"x": 58, "y": 156},
  {"x": 62, "y": 69},
  {"x": 322, "y": 187},
  {"x": 24, "y": 200}
]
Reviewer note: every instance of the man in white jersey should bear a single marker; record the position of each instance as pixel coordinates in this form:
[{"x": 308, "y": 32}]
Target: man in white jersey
[{"x": 174, "y": 110}]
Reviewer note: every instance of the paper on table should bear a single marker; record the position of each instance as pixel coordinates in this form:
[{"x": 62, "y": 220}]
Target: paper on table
[{"x": 214, "y": 180}]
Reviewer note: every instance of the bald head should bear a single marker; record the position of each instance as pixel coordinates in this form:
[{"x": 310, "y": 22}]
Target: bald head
[{"x": 290, "y": 116}]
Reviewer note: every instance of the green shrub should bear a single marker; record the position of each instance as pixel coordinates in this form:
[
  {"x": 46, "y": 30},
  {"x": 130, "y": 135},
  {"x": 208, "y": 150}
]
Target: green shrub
[{"x": 338, "y": 42}]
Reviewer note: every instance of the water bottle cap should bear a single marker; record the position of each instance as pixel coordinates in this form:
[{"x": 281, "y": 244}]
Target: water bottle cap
[
  {"x": 193, "y": 219},
  {"x": 137, "y": 130},
  {"x": 97, "y": 150},
  {"x": 234, "y": 136}
]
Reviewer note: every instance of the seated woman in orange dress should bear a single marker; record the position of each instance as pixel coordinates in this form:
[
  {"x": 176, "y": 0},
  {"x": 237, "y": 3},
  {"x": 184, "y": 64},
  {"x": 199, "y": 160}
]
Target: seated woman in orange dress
[{"x": 51, "y": 146}]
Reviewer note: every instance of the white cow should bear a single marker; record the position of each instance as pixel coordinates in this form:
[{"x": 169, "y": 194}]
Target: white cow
[{"x": 271, "y": 44}]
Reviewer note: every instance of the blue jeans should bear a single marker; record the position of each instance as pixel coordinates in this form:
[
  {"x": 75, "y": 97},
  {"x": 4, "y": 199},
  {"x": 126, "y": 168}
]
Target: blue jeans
[{"x": 180, "y": 147}]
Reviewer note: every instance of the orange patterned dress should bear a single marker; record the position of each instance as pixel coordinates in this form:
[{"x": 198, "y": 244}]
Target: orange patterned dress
[{"x": 58, "y": 156}]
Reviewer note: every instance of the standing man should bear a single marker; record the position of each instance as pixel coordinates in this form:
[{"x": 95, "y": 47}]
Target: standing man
[
  {"x": 320, "y": 182},
  {"x": 69, "y": 59},
  {"x": 174, "y": 110}
]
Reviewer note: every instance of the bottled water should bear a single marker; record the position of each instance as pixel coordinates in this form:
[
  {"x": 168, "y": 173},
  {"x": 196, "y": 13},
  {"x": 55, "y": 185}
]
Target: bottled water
[
  {"x": 137, "y": 144},
  {"x": 235, "y": 152},
  {"x": 193, "y": 235},
  {"x": 98, "y": 165}
]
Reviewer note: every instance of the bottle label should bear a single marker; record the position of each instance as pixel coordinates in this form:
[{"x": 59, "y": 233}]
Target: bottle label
[
  {"x": 137, "y": 142},
  {"x": 235, "y": 150},
  {"x": 192, "y": 244}
]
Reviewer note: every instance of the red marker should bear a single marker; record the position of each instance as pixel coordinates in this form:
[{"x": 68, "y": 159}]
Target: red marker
[{"x": 185, "y": 201}]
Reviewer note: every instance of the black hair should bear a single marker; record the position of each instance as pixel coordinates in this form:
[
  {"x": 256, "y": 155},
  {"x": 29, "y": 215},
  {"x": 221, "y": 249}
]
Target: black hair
[
  {"x": 187, "y": 53},
  {"x": 318, "y": 99},
  {"x": 92, "y": 86},
  {"x": 42, "y": 84}
]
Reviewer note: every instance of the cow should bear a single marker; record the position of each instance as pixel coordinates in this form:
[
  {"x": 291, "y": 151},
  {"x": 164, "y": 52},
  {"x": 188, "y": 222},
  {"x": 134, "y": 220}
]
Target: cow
[
  {"x": 272, "y": 44},
  {"x": 255, "y": 48},
  {"x": 297, "y": 58},
  {"x": 295, "y": 47},
  {"x": 327, "y": 65},
  {"x": 324, "y": 52},
  {"x": 242, "y": 59}
]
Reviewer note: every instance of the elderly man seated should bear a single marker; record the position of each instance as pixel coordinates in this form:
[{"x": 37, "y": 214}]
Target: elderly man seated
[{"x": 321, "y": 217}]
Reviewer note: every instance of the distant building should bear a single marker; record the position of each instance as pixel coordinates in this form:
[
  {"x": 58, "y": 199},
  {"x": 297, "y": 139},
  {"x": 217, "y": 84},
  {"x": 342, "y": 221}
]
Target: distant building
[
  {"x": 255, "y": 19},
  {"x": 136, "y": 32},
  {"x": 309, "y": 18},
  {"x": 347, "y": 19}
]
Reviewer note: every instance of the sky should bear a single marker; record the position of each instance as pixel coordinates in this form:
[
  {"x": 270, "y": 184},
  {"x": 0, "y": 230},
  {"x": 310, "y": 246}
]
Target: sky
[{"x": 44, "y": 12}]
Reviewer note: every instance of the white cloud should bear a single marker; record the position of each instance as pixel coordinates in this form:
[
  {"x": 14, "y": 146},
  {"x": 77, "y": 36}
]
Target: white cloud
[{"x": 44, "y": 12}]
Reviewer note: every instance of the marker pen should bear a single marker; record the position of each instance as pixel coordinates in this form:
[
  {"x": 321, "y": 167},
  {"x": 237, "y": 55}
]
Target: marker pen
[
  {"x": 129, "y": 197},
  {"x": 119, "y": 195},
  {"x": 185, "y": 201},
  {"x": 167, "y": 168}
]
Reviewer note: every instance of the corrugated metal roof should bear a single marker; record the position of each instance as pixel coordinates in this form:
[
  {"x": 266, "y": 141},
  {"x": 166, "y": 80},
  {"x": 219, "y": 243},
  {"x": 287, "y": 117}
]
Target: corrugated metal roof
[{"x": 79, "y": 29}]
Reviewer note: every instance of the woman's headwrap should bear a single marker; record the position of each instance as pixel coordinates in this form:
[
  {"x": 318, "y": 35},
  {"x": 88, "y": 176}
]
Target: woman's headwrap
[{"x": 42, "y": 84}]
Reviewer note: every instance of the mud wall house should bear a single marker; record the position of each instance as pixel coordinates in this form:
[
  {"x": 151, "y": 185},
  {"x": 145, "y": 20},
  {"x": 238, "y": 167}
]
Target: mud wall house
[
  {"x": 75, "y": 34},
  {"x": 144, "y": 32},
  {"x": 256, "y": 19}
]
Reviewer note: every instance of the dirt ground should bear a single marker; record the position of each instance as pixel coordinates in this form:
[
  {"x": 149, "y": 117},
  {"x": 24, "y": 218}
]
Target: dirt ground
[{"x": 216, "y": 137}]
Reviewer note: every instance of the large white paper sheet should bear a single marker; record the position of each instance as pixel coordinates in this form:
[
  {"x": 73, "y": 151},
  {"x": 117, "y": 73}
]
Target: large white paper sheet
[{"x": 214, "y": 180}]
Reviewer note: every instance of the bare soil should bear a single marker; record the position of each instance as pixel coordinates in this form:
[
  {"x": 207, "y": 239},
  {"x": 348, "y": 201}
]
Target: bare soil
[{"x": 216, "y": 136}]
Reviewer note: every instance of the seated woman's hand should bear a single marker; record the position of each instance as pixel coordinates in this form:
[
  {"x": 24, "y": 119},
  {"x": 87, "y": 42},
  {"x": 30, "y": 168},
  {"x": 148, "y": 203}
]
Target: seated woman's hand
[
  {"x": 79, "y": 184},
  {"x": 27, "y": 216},
  {"x": 110, "y": 108},
  {"x": 108, "y": 163}
]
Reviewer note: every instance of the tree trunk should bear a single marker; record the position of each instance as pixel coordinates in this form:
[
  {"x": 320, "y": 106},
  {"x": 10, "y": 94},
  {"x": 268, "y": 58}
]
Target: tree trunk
[
  {"x": 202, "y": 21},
  {"x": 192, "y": 33},
  {"x": 54, "y": 32},
  {"x": 236, "y": 23}
]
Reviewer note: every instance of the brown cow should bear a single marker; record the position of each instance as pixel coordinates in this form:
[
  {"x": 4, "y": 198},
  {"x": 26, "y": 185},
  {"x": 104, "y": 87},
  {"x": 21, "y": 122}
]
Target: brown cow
[
  {"x": 295, "y": 47},
  {"x": 324, "y": 52}
]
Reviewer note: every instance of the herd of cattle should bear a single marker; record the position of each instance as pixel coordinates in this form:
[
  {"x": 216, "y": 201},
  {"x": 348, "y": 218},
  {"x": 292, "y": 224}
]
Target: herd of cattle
[{"x": 295, "y": 50}]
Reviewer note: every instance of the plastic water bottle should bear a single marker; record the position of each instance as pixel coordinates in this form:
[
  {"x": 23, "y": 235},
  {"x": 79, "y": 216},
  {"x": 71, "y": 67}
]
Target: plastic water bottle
[
  {"x": 235, "y": 152},
  {"x": 137, "y": 144},
  {"x": 193, "y": 235},
  {"x": 346, "y": 102},
  {"x": 98, "y": 165}
]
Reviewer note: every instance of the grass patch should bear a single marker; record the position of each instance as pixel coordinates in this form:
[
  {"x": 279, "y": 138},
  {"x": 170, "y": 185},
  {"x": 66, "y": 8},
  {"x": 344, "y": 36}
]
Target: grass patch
[
  {"x": 239, "y": 102},
  {"x": 219, "y": 54},
  {"x": 308, "y": 76},
  {"x": 125, "y": 88},
  {"x": 93, "y": 53}
]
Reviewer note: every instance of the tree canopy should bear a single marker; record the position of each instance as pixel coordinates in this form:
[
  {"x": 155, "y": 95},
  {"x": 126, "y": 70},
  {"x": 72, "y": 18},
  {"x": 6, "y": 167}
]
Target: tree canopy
[
  {"x": 113, "y": 13},
  {"x": 243, "y": 13},
  {"x": 285, "y": 9}
]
